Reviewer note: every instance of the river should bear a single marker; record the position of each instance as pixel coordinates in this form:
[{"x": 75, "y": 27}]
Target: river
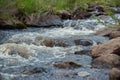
[{"x": 39, "y": 48}]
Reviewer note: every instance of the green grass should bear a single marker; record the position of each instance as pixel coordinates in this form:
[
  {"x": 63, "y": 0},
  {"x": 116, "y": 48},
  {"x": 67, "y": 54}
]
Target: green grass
[{"x": 33, "y": 6}]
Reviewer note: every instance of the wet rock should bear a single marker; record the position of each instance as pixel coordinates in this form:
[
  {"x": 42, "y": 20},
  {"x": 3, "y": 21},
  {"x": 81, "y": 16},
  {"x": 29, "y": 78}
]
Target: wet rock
[
  {"x": 116, "y": 9},
  {"x": 114, "y": 74},
  {"x": 110, "y": 47},
  {"x": 46, "y": 20},
  {"x": 35, "y": 71},
  {"x": 107, "y": 61},
  {"x": 67, "y": 64},
  {"x": 1, "y": 77},
  {"x": 114, "y": 34},
  {"x": 51, "y": 42},
  {"x": 83, "y": 74},
  {"x": 48, "y": 43},
  {"x": 11, "y": 24},
  {"x": 82, "y": 52},
  {"x": 64, "y": 14},
  {"x": 83, "y": 42},
  {"x": 13, "y": 49},
  {"x": 80, "y": 14}
]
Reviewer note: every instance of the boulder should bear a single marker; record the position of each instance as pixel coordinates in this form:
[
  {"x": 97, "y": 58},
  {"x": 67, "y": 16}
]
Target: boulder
[
  {"x": 114, "y": 34},
  {"x": 114, "y": 74},
  {"x": 67, "y": 64},
  {"x": 111, "y": 32},
  {"x": 110, "y": 47},
  {"x": 11, "y": 24},
  {"x": 80, "y": 14},
  {"x": 45, "y": 20},
  {"x": 107, "y": 61}
]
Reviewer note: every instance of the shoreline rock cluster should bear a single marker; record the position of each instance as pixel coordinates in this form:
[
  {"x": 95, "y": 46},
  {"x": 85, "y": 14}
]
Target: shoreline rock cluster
[{"x": 107, "y": 55}]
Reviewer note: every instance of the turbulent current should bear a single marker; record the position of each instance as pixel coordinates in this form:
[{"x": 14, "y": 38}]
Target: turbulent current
[{"x": 29, "y": 54}]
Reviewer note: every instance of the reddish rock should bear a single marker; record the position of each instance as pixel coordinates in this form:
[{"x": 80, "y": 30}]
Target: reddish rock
[
  {"x": 67, "y": 64},
  {"x": 107, "y": 31},
  {"x": 114, "y": 74},
  {"x": 107, "y": 61},
  {"x": 110, "y": 47},
  {"x": 114, "y": 34}
]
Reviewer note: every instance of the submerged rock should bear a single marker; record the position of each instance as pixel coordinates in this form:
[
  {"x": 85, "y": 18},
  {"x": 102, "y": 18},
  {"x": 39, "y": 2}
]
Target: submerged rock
[
  {"x": 14, "y": 49},
  {"x": 83, "y": 42},
  {"x": 83, "y": 74},
  {"x": 82, "y": 52},
  {"x": 50, "y": 42},
  {"x": 34, "y": 71},
  {"x": 114, "y": 74},
  {"x": 67, "y": 64}
]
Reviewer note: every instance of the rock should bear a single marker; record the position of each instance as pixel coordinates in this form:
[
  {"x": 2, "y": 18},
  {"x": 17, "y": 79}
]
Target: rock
[
  {"x": 110, "y": 47},
  {"x": 111, "y": 32},
  {"x": 49, "y": 42},
  {"x": 107, "y": 61},
  {"x": 1, "y": 77},
  {"x": 13, "y": 49},
  {"x": 116, "y": 9},
  {"x": 34, "y": 71},
  {"x": 114, "y": 74},
  {"x": 114, "y": 34},
  {"x": 83, "y": 42},
  {"x": 100, "y": 8},
  {"x": 64, "y": 14},
  {"x": 46, "y": 20},
  {"x": 82, "y": 52},
  {"x": 80, "y": 14},
  {"x": 83, "y": 74},
  {"x": 11, "y": 24},
  {"x": 67, "y": 64}
]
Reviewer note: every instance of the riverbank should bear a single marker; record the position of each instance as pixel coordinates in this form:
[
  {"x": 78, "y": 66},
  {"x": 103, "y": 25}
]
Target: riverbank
[{"x": 19, "y": 20}]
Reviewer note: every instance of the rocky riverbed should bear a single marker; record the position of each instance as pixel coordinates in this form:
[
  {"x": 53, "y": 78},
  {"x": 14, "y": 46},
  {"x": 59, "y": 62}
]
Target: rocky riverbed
[{"x": 55, "y": 53}]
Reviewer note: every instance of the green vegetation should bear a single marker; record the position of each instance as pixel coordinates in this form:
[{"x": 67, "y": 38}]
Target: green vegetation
[{"x": 32, "y": 6}]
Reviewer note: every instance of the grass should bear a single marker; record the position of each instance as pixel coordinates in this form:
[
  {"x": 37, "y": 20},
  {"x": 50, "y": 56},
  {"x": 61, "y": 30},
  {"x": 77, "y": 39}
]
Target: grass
[{"x": 33, "y": 6}]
